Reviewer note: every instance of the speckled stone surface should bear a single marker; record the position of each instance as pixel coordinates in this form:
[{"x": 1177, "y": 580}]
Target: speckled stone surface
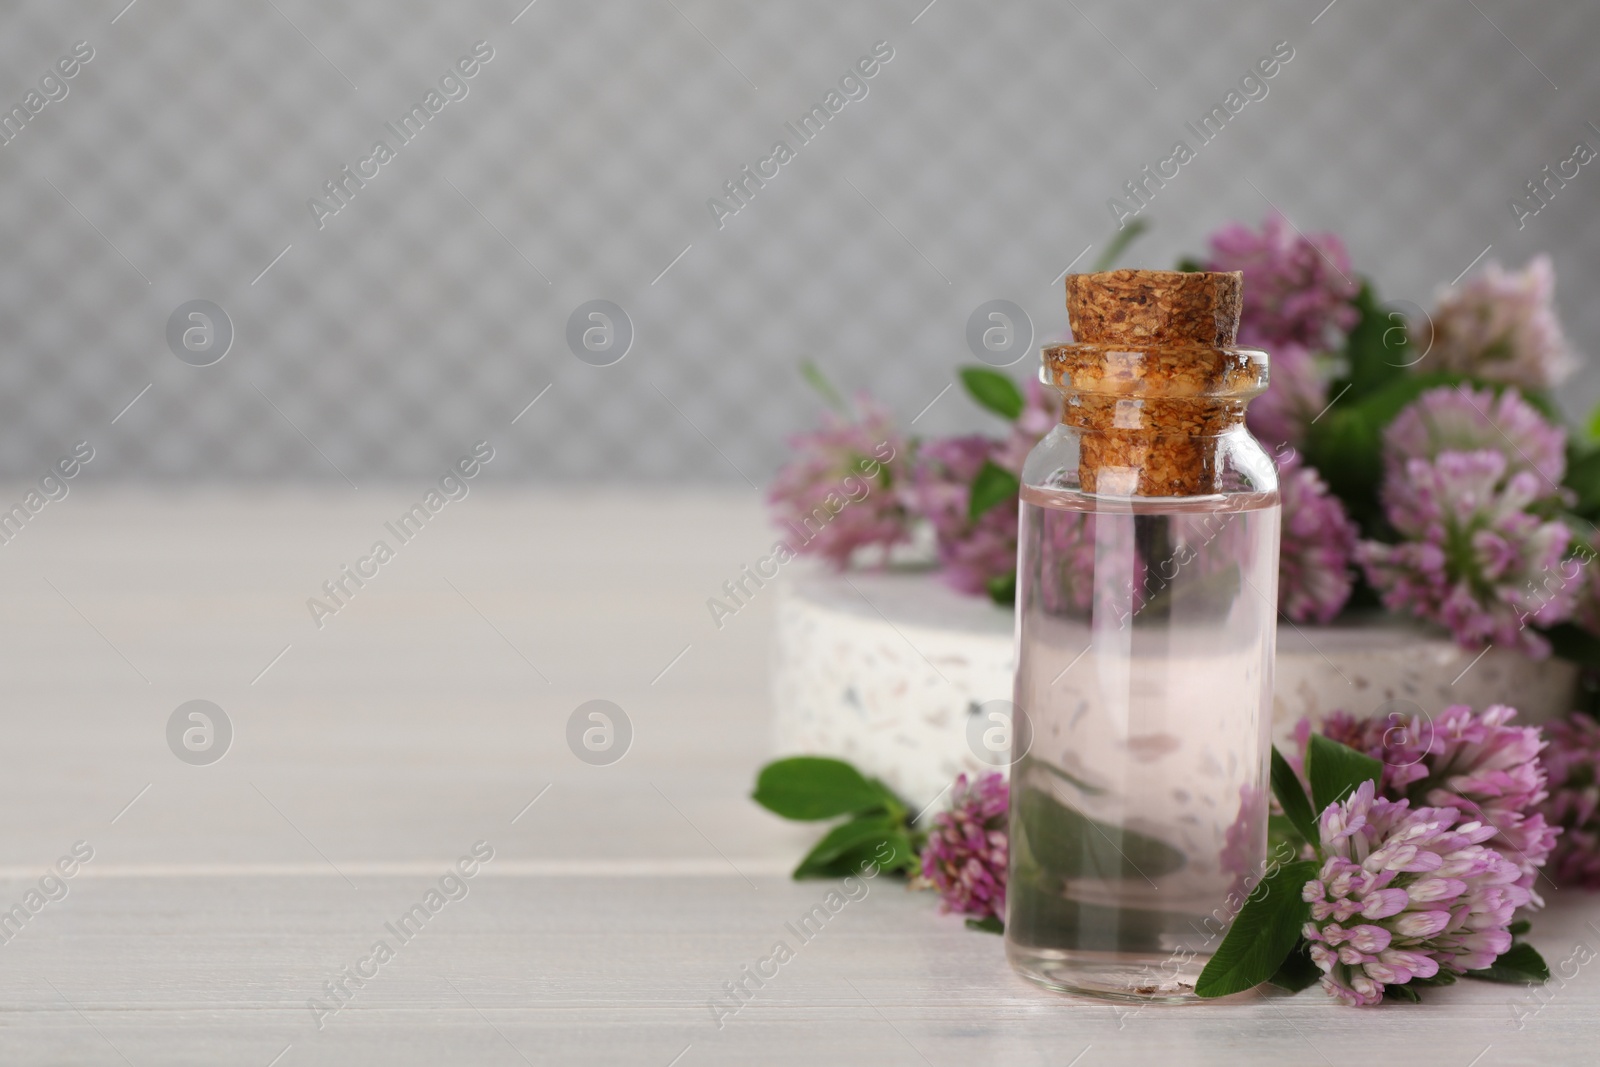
[{"x": 893, "y": 672}]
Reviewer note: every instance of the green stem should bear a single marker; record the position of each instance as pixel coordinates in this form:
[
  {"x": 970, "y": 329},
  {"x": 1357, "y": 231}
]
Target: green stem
[
  {"x": 1119, "y": 244},
  {"x": 819, "y": 381}
]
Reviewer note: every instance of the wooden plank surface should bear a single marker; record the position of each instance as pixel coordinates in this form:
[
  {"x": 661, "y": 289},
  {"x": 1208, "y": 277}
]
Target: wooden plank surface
[{"x": 423, "y": 718}]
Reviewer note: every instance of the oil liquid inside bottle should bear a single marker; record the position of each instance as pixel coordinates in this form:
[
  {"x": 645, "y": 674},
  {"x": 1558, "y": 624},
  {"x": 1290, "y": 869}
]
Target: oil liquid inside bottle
[{"x": 1145, "y": 641}]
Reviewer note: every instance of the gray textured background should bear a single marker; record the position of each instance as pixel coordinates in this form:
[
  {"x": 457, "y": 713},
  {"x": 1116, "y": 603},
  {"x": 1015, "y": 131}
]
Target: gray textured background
[{"x": 433, "y": 308}]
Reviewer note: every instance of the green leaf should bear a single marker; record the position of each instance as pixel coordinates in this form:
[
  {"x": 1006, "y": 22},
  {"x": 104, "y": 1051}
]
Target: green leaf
[
  {"x": 816, "y": 787},
  {"x": 1084, "y": 787},
  {"x": 1003, "y": 589},
  {"x": 1345, "y": 443},
  {"x": 1541, "y": 399},
  {"x": 1292, "y": 798},
  {"x": 1594, "y": 424},
  {"x": 993, "y": 391},
  {"x": 1297, "y": 972},
  {"x": 1091, "y": 927},
  {"x": 1518, "y": 928},
  {"x": 1402, "y": 992},
  {"x": 1574, "y": 643},
  {"x": 1336, "y": 770},
  {"x": 1068, "y": 844},
  {"x": 839, "y": 851},
  {"x": 992, "y": 486},
  {"x": 900, "y": 855},
  {"x": 1583, "y": 478},
  {"x": 1377, "y": 351},
  {"x": 842, "y": 839},
  {"x": 1442, "y": 978},
  {"x": 1190, "y": 265},
  {"x": 1282, "y": 833},
  {"x": 825, "y": 389},
  {"x": 991, "y": 925},
  {"x": 1263, "y": 934},
  {"x": 895, "y": 854},
  {"x": 1518, "y": 964},
  {"x": 1119, "y": 244}
]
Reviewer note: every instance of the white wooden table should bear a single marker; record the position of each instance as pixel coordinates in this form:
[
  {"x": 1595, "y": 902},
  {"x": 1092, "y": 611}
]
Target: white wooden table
[{"x": 425, "y": 716}]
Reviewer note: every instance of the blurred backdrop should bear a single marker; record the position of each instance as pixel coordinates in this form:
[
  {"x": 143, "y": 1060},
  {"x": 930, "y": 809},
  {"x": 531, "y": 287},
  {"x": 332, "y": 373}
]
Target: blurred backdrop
[{"x": 568, "y": 154}]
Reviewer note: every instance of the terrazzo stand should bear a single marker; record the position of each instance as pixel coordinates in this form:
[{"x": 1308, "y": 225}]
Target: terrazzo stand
[{"x": 892, "y": 671}]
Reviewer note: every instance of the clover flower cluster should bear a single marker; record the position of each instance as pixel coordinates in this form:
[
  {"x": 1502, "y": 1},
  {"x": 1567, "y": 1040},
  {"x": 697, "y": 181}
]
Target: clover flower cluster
[
  {"x": 1468, "y": 488},
  {"x": 965, "y": 855},
  {"x": 1405, "y": 894}
]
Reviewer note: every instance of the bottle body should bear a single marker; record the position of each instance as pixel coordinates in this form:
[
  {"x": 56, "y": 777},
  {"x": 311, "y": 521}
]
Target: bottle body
[{"x": 1145, "y": 638}]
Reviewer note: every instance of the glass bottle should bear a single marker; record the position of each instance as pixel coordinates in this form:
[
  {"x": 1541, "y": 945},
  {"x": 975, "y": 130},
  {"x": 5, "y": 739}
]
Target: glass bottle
[{"x": 1146, "y": 619}]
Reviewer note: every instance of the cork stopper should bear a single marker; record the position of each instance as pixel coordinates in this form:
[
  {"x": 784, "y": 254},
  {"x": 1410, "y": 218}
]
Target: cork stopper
[
  {"x": 1155, "y": 307},
  {"x": 1152, "y": 378}
]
